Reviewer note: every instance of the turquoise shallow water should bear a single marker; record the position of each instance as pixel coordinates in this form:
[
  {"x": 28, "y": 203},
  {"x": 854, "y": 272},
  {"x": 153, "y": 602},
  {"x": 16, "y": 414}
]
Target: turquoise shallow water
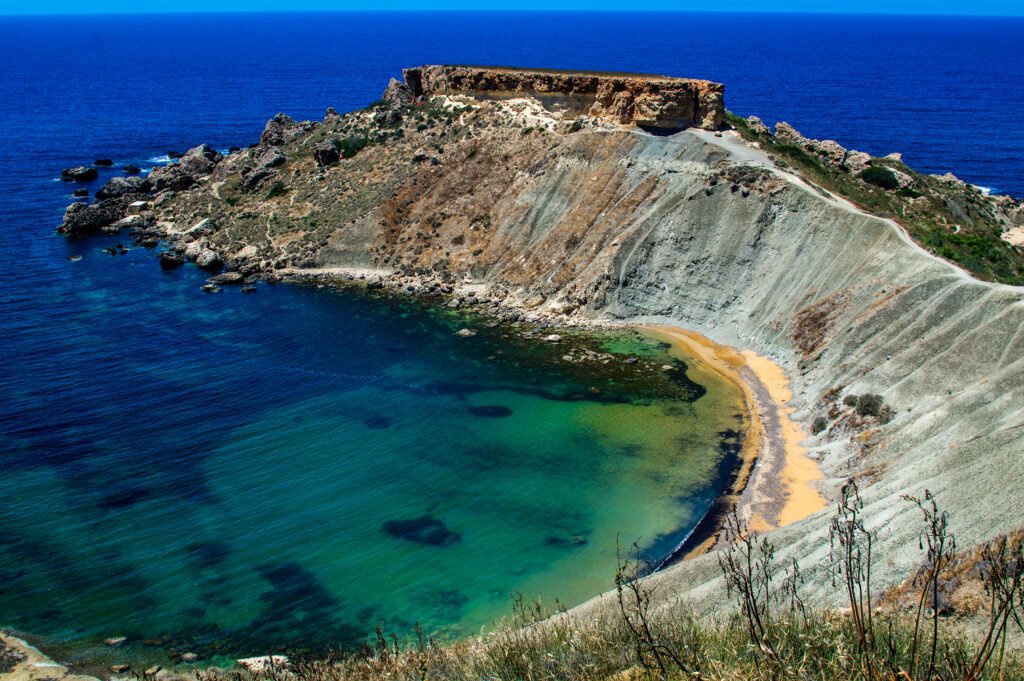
[{"x": 230, "y": 474}]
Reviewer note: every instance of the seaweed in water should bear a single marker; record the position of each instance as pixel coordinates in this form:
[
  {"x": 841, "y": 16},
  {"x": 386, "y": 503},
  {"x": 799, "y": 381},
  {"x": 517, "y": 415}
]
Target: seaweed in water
[
  {"x": 490, "y": 411},
  {"x": 426, "y": 530},
  {"x": 123, "y": 499},
  {"x": 378, "y": 422},
  {"x": 208, "y": 554}
]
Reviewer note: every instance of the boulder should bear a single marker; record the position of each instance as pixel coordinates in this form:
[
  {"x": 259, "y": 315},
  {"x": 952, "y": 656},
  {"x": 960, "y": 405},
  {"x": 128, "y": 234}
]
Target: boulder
[
  {"x": 397, "y": 93},
  {"x": 830, "y": 150},
  {"x": 260, "y": 665},
  {"x": 389, "y": 116},
  {"x": 81, "y": 193},
  {"x": 170, "y": 260},
  {"x": 227, "y": 279},
  {"x": 254, "y": 179},
  {"x": 200, "y": 160},
  {"x": 325, "y": 154},
  {"x": 172, "y": 177},
  {"x": 115, "y": 641},
  {"x": 757, "y": 125},
  {"x": 82, "y": 219},
  {"x": 271, "y": 158},
  {"x": 788, "y": 133},
  {"x": 279, "y": 129},
  {"x": 103, "y": 163},
  {"x": 421, "y": 156},
  {"x": 466, "y": 333},
  {"x": 119, "y": 186},
  {"x": 136, "y": 207},
  {"x": 79, "y": 174},
  {"x": 131, "y": 169},
  {"x": 209, "y": 260},
  {"x": 174, "y": 155},
  {"x": 330, "y": 113},
  {"x": 857, "y": 161}
]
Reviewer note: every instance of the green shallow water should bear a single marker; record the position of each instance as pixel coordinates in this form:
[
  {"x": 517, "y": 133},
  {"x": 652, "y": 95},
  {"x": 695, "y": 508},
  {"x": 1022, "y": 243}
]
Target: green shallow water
[{"x": 309, "y": 465}]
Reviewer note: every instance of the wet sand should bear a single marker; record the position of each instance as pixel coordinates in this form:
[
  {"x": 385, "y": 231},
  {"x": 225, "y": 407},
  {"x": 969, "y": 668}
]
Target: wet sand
[{"x": 776, "y": 482}]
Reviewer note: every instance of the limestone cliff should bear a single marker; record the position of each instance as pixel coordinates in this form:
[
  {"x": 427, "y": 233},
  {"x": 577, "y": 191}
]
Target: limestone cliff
[{"x": 649, "y": 101}]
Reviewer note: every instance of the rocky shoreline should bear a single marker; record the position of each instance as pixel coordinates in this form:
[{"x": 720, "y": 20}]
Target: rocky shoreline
[{"x": 534, "y": 216}]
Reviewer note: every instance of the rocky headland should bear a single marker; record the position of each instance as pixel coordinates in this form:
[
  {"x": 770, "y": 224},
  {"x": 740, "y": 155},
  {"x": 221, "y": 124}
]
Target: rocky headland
[{"x": 542, "y": 196}]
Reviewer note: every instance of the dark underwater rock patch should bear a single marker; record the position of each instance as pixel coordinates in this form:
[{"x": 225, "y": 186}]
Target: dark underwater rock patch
[
  {"x": 208, "y": 554},
  {"x": 425, "y": 529},
  {"x": 490, "y": 411},
  {"x": 378, "y": 421},
  {"x": 123, "y": 499},
  {"x": 574, "y": 541}
]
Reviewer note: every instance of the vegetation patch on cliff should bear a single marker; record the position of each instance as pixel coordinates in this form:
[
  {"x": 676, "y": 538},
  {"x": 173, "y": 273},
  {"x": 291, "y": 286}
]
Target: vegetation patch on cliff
[{"x": 950, "y": 218}]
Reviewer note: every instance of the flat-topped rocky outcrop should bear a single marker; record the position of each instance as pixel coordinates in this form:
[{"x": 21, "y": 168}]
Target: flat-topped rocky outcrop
[{"x": 644, "y": 100}]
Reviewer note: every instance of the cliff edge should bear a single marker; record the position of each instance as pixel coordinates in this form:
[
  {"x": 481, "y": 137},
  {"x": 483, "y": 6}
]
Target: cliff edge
[{"x": 629, "y": 99}]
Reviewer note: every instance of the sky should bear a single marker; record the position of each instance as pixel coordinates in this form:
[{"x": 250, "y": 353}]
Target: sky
[
  {"x": 972, "y": 7},
  {"x": 965, "y": 7}
]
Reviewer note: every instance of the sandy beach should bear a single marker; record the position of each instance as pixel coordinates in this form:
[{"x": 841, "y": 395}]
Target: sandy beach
[{"x": 776, "y": 483}]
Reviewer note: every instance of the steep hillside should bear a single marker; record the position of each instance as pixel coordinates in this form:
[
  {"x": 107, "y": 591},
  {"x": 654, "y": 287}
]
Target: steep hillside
[{"x": 528, "y": 210}]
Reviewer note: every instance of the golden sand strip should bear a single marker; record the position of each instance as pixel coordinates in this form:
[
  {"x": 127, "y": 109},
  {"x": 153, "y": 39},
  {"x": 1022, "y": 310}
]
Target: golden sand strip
[{"x": 776, "y": 483}]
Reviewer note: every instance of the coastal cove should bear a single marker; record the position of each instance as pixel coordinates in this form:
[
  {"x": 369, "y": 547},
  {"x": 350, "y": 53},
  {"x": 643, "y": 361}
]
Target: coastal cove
[
  {"x": 418, "y": 363},
  {"x": 167, "y": 531}
]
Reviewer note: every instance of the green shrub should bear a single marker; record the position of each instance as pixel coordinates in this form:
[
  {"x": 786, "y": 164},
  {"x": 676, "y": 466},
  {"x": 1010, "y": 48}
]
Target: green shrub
[
  {"x": 869, "y": 405},
  {"x": 819, "y": 425},
  {"x": 880, "y": 177},
  {"x": 351, "y": 145},
  {"x": 277, "y": 189}
]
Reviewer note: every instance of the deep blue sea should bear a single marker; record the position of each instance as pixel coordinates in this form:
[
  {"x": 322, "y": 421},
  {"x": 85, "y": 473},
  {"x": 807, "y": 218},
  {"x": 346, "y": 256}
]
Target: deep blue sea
[{"x": 227, "y": 473}]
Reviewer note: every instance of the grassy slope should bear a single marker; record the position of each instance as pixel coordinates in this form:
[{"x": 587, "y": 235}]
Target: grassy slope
[{"x": 930, "y": 210}]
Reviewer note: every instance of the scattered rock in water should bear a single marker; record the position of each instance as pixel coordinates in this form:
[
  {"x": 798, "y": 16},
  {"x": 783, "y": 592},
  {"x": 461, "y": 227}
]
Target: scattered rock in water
[
  {"x": 454, "y": 303},
  {"x": 152, "y": 671},
  {"x": 490, "y": 411},
  {"x": 74, "y": 258},
  {"x": 632, "y": 360},
  {"x": 426, "y": 530},
  {"x": 374, "y": 284},
  {"x": 174, "y": 155},
  {"x": 79, "y": 174},
  {"x": 117, "y": 249},
  {"x": 189, "y": 657},
  {"x": 80, "y": 193},
  {"x": 120, "y": 668},
  {"x": 466, "y": 333},
  {"x": 115, "y": 641},
  {"x": 103, "y": 163},
  {"x": 553, "y": 338},
  {"x": 148, "y": 241},
  {"x": 211, "y": 288},
  {"x": 248, "y": 289},
  {"x": 131, "y": 169},
  {"x": 227, "y": 278},
  {"x": 170, "y": 260}
]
